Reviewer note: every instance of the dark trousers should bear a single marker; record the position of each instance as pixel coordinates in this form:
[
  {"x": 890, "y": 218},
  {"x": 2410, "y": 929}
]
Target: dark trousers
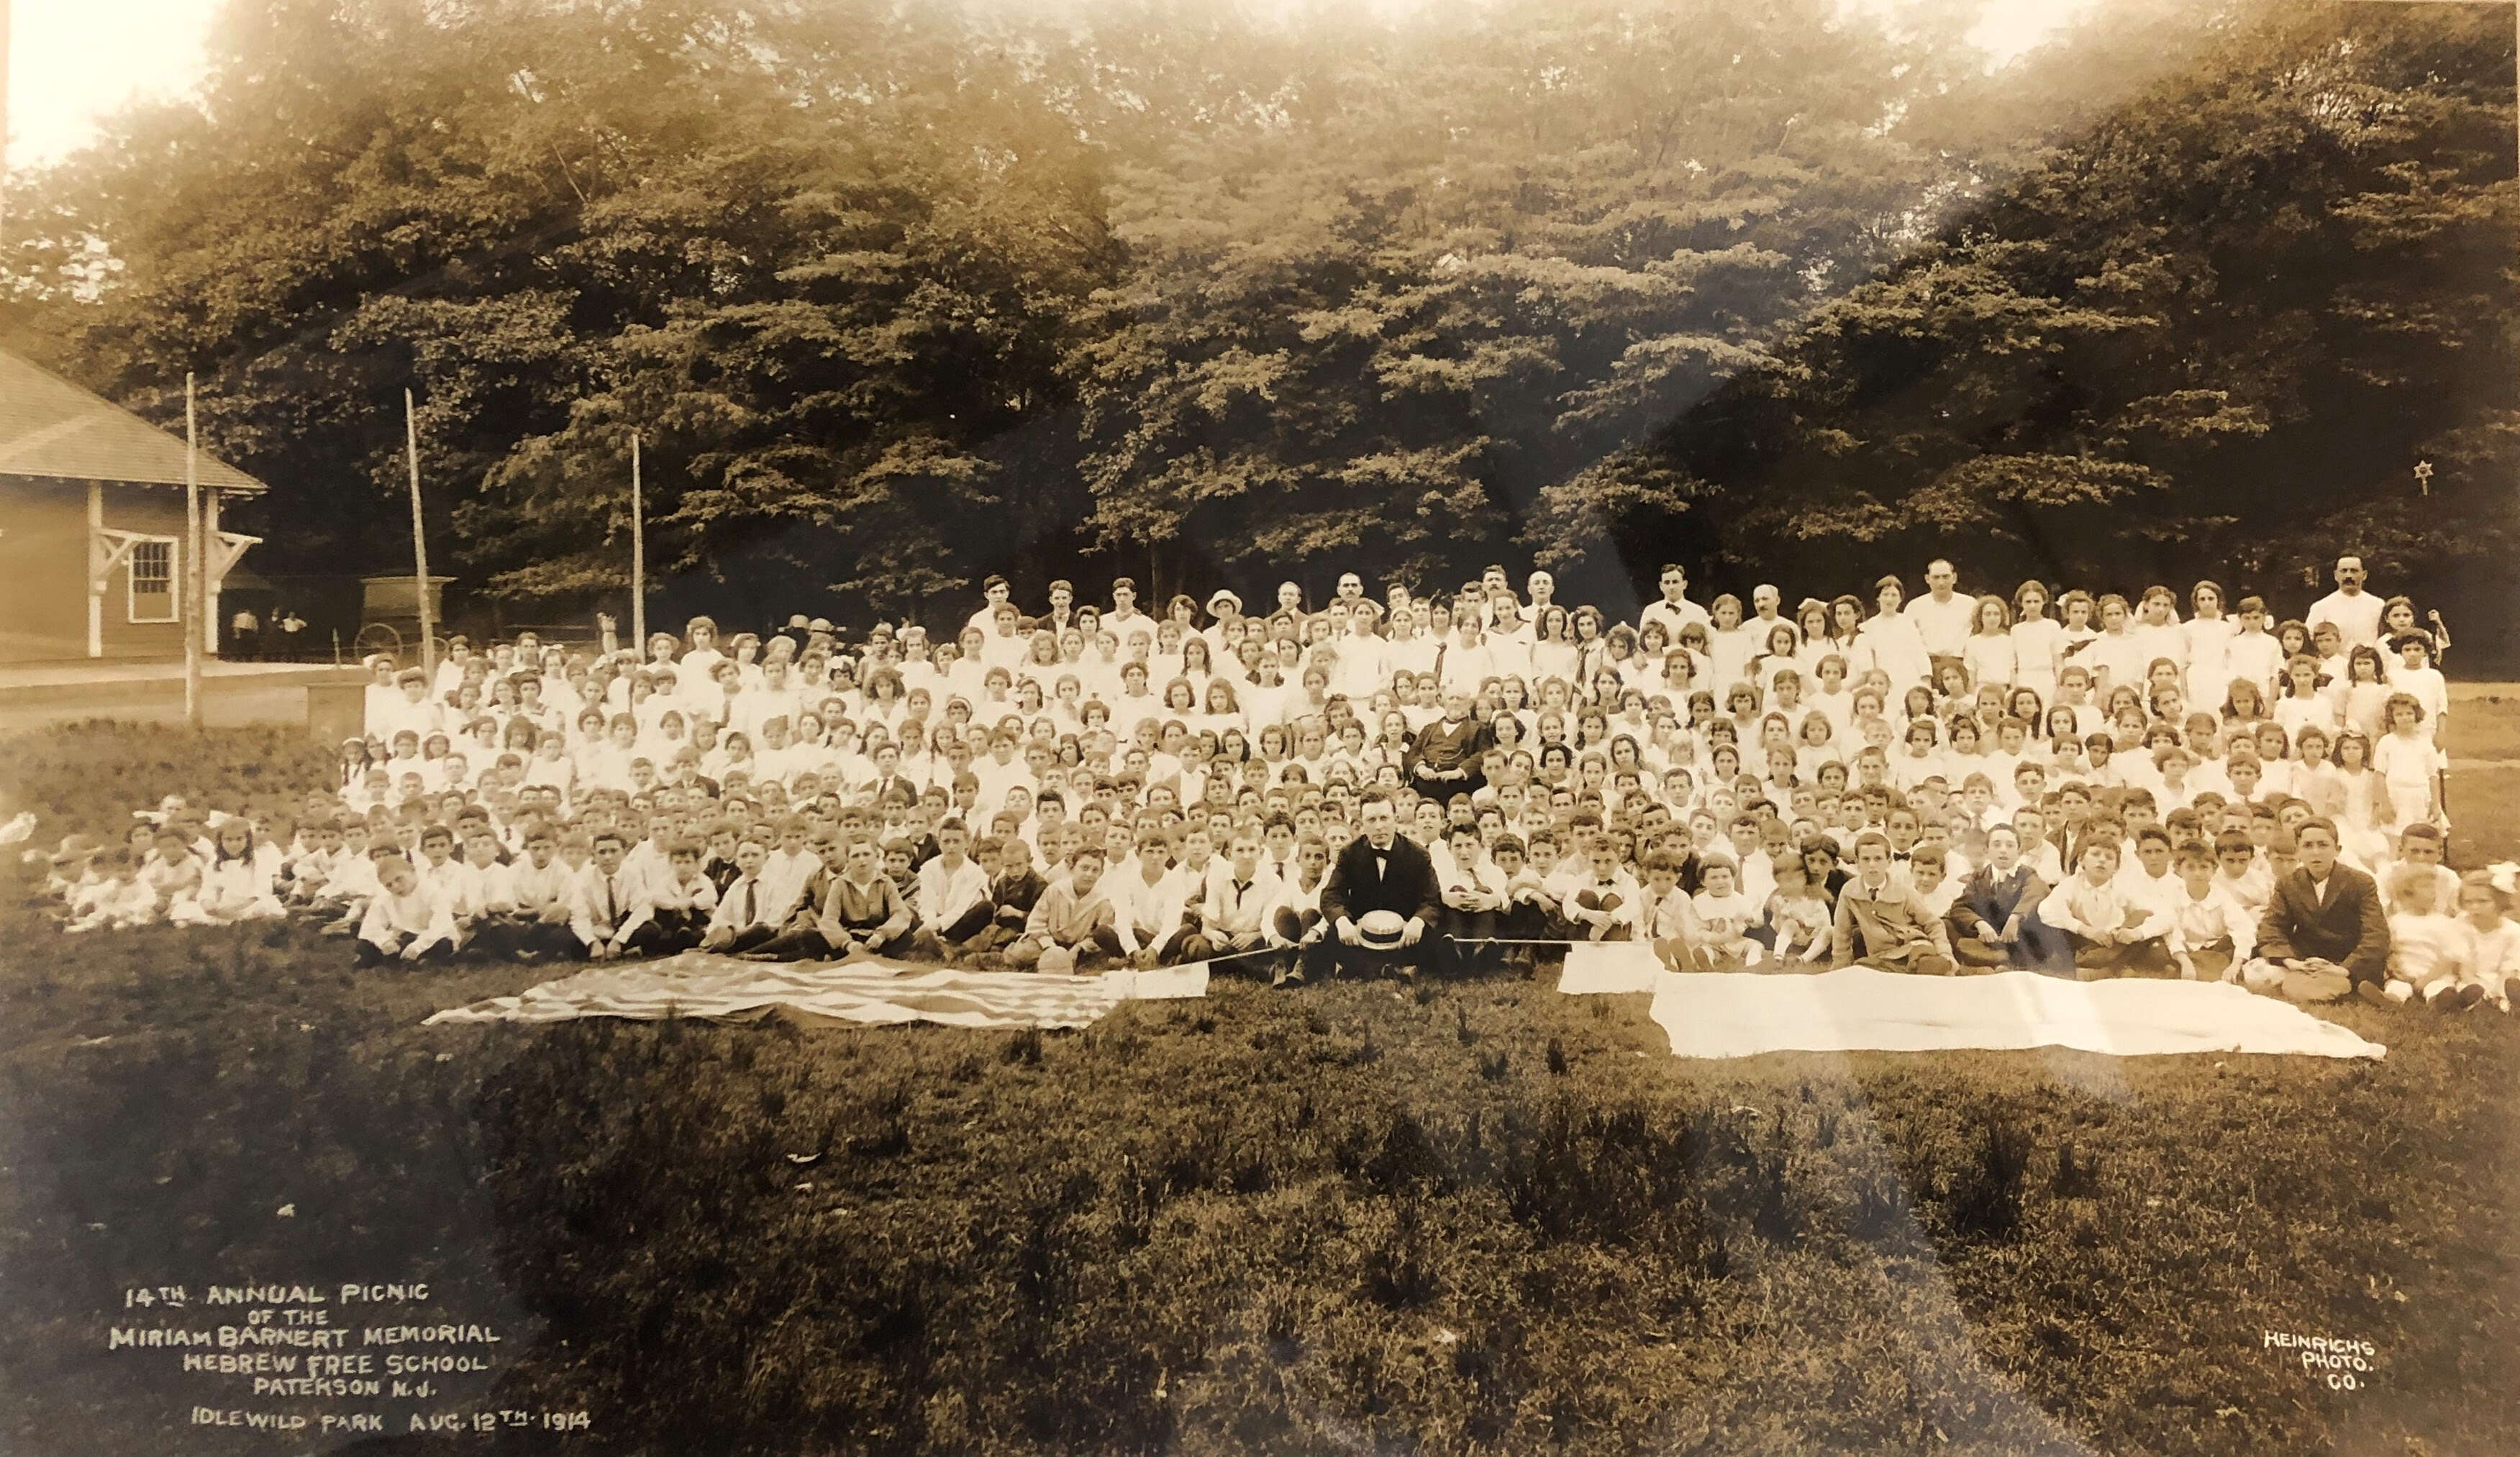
[
  {"x": 1975, "y": 954},
  {"x": 679, "y": 930},
  {"x": 2044, "y": 948},
  {"x": 2094, "y": 961},
  {"x": 508, "y": 936},
  {"x": 750, "y": 938},
  {"x": 1468, "y": 944},
  {"x": 969, "y": 924},
  {"x": 369, "y": 953},
  {"x": 806, "y": 943},
  {"x": 1441, "y": 791},
  {"x": 643, "y": 942}
]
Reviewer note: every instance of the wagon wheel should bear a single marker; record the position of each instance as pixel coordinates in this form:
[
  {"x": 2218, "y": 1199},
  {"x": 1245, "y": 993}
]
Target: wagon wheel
[{"x": 377, "y": 637}]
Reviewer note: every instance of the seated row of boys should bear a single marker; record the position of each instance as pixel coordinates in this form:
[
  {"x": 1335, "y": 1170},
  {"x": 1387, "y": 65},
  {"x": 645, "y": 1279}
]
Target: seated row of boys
[
  {"x": 2108, "y": 890},
  {"x": 2193, "y": 910}
]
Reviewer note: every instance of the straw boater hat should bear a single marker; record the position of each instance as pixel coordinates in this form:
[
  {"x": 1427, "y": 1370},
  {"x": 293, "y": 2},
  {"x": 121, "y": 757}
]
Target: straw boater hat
[{"x": 1381, "y": 930}]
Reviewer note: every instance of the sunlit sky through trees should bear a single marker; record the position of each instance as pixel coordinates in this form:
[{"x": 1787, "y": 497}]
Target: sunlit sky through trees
[{"x": 72, "y": 62}]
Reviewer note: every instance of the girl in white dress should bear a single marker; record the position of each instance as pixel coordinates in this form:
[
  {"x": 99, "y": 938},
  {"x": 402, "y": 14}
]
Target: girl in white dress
[
  {"x": 1990, "y": 653},
  {"x": 2207, "y": 637},
  {"x": 2305, "y": 702}
]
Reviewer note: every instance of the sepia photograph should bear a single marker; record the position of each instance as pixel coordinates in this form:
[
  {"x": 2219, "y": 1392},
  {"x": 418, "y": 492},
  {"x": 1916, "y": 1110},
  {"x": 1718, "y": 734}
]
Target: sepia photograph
[{"x": 1197, "y": 727}]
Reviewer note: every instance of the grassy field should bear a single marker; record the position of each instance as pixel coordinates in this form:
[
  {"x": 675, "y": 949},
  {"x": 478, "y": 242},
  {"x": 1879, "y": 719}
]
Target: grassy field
[{"x": 1474, "y": 1218}]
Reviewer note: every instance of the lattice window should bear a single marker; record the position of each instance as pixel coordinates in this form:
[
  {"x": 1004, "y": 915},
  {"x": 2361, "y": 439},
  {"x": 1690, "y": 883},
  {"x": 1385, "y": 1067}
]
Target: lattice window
[{"x": 153, "y": 580}]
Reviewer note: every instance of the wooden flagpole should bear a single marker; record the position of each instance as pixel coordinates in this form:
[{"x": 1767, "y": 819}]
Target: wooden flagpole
[
  {"x": 418, "y": 542},
  {"x": 194, "y": 600},
  {"x": 638, "y": 558}
]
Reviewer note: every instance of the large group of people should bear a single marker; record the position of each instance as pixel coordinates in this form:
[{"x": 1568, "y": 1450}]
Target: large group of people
[{"x": 2156, "y": 786}]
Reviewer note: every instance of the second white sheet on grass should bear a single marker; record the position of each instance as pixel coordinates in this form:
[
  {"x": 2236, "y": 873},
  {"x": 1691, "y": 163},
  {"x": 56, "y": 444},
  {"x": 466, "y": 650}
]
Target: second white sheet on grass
[{"x": 1741, "y": 1014}]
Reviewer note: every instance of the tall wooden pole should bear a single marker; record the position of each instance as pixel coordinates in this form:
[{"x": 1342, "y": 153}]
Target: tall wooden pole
[
  {"x": 194, "y": 600},
  {"x": 418, "y": 544},
  {"x": 638, "y": 558}
]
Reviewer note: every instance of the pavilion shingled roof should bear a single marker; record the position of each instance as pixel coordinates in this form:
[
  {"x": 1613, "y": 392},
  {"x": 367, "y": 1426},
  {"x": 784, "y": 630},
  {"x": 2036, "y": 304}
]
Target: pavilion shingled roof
[{"x": 51, "y": 427}]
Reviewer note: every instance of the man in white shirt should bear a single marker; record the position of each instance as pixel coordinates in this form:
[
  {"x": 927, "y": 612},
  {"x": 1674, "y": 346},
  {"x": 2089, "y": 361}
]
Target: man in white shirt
[
  {"x": 1943, "y": 617},
  {"x": 1124, "y": 613},
  {"x": 1149, "y": 907},
  {"x": 613, "y": 915},
  {"x": 1541, "y": 589},
  {"x": 2355, "y": 612},
  {"x": 1674, "y": 611},
  {"x": 997, "y": 591},
  {"x": 1234, "y": 916},
  {"x": 746, "y": 915}
]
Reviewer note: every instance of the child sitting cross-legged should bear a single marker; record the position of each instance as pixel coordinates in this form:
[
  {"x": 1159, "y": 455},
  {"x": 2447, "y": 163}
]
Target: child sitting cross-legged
[
  {"x": 1882, "y": 922},
  {"x": 2112, "y": 931}
]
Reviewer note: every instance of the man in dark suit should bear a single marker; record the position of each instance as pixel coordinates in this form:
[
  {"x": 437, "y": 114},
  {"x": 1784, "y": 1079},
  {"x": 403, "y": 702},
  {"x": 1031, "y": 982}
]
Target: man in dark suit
[
  {"x": 1448, "y": 757},
  {"x": 1380, "y": 871},
  {"x": 2323, "y": 933}
]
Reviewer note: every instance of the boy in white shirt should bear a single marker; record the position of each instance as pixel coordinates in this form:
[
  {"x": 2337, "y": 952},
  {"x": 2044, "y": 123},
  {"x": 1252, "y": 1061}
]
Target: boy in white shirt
[
  {"x": 954, "y": 905},
  {"x": 540, "y": 889},
  {"x": 1473, "y": 893},
  {"x": 683, "y": 898},
  {"x": 405, "y": 920},
  {"x": 1233, "y": 909},
  {"x": 1667, "y": 917},
  {"x": 1604, "y": 906},
  {"x": 1148, "y": 898},
  {"x": 1929, "y": 873},
  {"x": 2211, "y": 934},
  {"x": 747, "y": 912},
  {"x": 2110, "y": 931}
]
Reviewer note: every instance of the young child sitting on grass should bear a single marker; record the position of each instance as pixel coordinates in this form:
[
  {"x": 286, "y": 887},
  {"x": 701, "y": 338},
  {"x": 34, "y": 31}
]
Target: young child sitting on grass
[
  {"x": 117, "y": 901},
  {"x": 2428, "y": 948},
  {"x": 1799, "y": 917},
  {"x": 1725, "y": 917},
  {"x": 2494, "y": 940},
  {"x": 1668, "y": 917}
]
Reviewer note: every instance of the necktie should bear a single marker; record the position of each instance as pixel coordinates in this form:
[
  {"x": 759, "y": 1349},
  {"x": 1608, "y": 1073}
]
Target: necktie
[
  {"x": 744, "y": 903},
  {"x": 608, "y": 900}
]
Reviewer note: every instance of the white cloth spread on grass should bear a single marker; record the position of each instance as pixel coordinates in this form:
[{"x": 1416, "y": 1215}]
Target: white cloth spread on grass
[
  {"x": 869, "y": 989},
  {"x": 1739, "y": 1014}
]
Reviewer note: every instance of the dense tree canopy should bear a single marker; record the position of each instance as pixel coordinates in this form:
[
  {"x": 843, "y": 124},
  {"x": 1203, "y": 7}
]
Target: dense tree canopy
[
  {"x": 2217, "y": 332},
  {"x": 899, "y": 295}
]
